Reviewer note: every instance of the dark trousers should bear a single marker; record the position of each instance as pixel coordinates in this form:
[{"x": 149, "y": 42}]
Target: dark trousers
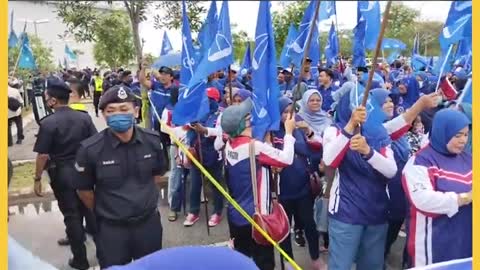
[
  {"x": 119, "y": 243},
  {"x": 73, "y": 211},
  {"x": 96, "y": 100},
  {"x": 19, "y": 123},
  {"x": 303, "y": 207},
  {"x": 394, "y": 227},
  {"x": 244, "y": 243}
]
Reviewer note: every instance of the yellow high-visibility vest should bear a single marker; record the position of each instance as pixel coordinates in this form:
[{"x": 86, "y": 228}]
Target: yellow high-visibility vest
[
  {"x": 98, "y": 84},
  {"x": 78, "y": 106}
]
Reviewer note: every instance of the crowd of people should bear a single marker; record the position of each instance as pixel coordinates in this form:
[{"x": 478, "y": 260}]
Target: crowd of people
[{"x": 411, "y": 174}]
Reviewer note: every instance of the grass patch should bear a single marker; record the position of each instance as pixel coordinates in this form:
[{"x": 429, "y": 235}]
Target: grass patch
[{"x": 23, "y": 177}]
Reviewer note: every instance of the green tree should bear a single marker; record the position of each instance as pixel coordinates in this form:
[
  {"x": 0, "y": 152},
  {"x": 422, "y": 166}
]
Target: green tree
[
  {"x": 113, "y": 48},
  {"x": 42, "y": 53},
  {"x": 149, "y": 58},
  {"x": 291, "y": 13},
  {"x": 240, "y": 41},
  {"x": 401, "y": 23},
  {"x": 82, "y": 18},
  {"x": 172, "y": 14}
]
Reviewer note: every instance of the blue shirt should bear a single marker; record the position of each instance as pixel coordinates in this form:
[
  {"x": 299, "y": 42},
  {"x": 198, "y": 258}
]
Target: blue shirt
[
  {"x": 161, "y": 97},
  {"x": 327, "y": 99}
]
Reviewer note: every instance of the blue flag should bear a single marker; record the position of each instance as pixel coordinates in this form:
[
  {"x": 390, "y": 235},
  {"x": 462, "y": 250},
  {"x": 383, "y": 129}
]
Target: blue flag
[
  {"x": 430, "y": 64},
  {"x": 70, "y": 54},
  {"x": 327, "y": 10},
  {"x": 192, "y": 102},
  {"x": 418, "y": 62},
  {"x": 188, "y": 63},
  {"x": 453, "y": 33},
  {"x": 464, "y": 47},
  {"x": 209, "y": 28},
  {"x": 247, "y": 58},
  {"x": 26, "y": 58},
  {"x": 12, "y": 39},
  {"x": 220, "y": 53},
  {"x": 285, "y": 58},
  {"x": 331, "y": 49},
  {"x": 393, "y": 44},
  {"x": 359, "y": 44},
  {"x": 300, "y": 42},
  {"x": 370, "y": 11},
  {"x": 166, "y": 45},
  {"x": 393, "y": 56},
  {"x": 457, "y": 10},
  {"x": 265, "y": 115}
]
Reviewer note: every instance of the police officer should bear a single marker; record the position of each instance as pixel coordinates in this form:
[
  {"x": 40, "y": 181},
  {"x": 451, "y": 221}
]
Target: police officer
[
  {"x": 117, "y": 169},
  {"x": 57, "y": 142}
]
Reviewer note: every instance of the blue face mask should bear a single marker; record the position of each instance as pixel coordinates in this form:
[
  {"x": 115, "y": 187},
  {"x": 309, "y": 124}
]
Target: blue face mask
[{"x": 120, "y": 122}]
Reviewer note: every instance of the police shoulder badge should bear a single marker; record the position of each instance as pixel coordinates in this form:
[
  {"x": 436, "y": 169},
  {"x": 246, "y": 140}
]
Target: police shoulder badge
[{"x": 122, "y": 94}]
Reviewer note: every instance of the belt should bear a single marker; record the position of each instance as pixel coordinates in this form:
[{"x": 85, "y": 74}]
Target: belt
[{"x": 130, "y": 221}]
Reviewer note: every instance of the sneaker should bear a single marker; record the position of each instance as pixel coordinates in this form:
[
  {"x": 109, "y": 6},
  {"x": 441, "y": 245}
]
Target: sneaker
[
  {"x": 190, "y": 220},
  {"x": 214, "y": 220},
  {"x": 172, "y": 216},
  {"x": 299, "y": 239}
]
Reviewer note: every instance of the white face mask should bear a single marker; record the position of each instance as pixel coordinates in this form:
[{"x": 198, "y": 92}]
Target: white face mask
[{"x": 420, "y": 84}]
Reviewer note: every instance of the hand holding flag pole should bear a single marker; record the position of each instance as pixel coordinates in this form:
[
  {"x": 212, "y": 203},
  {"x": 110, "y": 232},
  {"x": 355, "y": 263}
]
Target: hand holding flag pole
[{"x": 306, "y": 49}]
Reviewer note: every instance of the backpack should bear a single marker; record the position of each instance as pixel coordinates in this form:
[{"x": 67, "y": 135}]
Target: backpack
[{"x": 13, "y": 104}]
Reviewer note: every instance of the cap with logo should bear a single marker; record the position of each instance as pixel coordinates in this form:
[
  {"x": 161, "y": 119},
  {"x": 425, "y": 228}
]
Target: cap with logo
[{"x": 116, "y": 94}]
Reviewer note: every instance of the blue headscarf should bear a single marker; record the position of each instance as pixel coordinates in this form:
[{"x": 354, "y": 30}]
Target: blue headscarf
[
  {"x": 377, "y": 137},
  {"x": 243, "y": 94},
  {"x": 318, "y": 120},
  {"x": 446, "y": 124},
  {"x": 284, "y": 102},
  {"x": 408, "y": 99}
]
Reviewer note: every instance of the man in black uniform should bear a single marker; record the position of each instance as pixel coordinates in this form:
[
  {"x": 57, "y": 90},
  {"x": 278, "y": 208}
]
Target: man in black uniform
[
  {"x": 57, "y": 142},
  {"x": 116, "y": 177}
]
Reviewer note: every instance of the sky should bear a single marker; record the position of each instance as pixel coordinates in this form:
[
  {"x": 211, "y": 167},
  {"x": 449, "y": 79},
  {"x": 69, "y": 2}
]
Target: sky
[{"x": 240, "y": 10}]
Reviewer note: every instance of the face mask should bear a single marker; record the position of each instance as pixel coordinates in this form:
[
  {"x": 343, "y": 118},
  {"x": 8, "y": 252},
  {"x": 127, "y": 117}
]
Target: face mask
[
  {"x": 420, "y": 84},
  {"x": 120, "y": 123}
]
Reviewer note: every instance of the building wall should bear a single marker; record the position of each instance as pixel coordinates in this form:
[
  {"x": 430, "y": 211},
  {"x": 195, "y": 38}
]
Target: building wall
[{"x": 48, "y": 32}]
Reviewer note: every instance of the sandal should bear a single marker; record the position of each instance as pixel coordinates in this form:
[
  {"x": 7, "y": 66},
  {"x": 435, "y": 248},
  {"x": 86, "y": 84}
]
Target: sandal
[{"x": 172, "y": 216}]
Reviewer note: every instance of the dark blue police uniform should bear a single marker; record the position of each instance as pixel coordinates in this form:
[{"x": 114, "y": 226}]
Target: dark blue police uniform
[
  {"x": 59, "y": 137},
  {"x": 121, "y": 176}
]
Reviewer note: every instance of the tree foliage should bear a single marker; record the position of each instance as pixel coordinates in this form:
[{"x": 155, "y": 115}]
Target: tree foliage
[
  {"x": 401, "y": 23},
  {"x": 292, "y": 12},
  {"x": 114, "y": 48},
  {"x": 172, "y": 14},
  {"x": 80, "y": 17},
  {"x": 42, "y": 53},
  {"x": 428, "y": 32}
]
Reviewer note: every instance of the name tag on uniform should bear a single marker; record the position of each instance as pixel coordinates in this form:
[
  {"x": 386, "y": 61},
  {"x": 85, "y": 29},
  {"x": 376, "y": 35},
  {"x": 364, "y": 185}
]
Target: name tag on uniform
[
  {"x": 108, "y": 162},
  {"x": 232, "y": 155},
  {"x": 147, "y": 156}
]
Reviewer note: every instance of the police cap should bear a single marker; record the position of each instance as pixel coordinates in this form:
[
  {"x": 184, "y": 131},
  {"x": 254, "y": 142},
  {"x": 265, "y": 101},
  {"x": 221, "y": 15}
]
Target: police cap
[
  {"x": 116, "y": 94},
  {"x": 57, "y": 88}
]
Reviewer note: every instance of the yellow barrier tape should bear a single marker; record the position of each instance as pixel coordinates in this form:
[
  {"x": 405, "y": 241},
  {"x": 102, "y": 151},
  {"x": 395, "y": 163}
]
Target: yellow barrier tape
[{"x": 223, "y": 191}]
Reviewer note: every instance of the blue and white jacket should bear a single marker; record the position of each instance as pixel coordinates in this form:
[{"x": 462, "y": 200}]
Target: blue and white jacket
[{"x": 238, "y": 176}]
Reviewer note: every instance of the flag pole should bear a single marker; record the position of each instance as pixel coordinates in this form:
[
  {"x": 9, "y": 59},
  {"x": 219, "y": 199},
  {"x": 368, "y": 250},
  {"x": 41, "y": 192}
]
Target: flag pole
[
  {"x": 377, "y": 52},
  {"x": 338, "y": 38},
  {"x": 229, "y": 86},
  {"x": 306, "y": 49},
  {"x": 443, "y": 66}
]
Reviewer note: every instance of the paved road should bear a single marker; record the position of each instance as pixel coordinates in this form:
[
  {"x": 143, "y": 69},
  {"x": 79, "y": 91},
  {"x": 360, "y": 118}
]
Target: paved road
[{"x": 37, "y": 226}]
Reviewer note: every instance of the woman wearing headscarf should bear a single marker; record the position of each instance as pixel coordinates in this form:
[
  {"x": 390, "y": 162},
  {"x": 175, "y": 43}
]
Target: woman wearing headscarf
[
  {"x": 295, "y": 192},
  {"x": 314, "y": 120},
  {"x": 466, "y": 108},
  {"x": 405, "y": 94},
  {"x": 210, "y": 158},
  {"x": 397, "y": 205},
  {"x": 358, "y": 201},
  {"x": 438, "y": 184}
]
